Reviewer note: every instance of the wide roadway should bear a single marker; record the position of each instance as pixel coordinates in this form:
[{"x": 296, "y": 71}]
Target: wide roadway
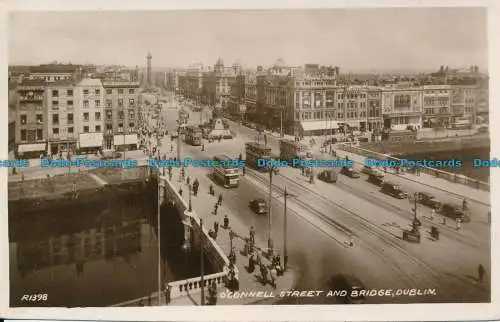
[{"x": 317, "y": 256}]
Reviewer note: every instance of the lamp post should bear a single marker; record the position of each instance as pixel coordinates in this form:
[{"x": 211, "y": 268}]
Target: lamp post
[
  {"x": 202, "y": 267},
  {"x": 285, "y": 230},
  {"x": 159, "y": 243},
  {"x": 269, "y": 215},
  {"x": 190, "y": 204}
]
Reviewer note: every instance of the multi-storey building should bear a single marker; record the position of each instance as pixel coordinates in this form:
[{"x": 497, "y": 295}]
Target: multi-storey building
[
  {"x": 31, "y": 116},
  {"x": 171, "y": 80},
  {"x": 236, "y": 103},
  {"x": 191, "y": 82},
  {"x": 121, "y": 114},
  {"x": 62, "y": 123},
  {"x": 217, "y": 84},
  {"x": 482, "y": 105},
  {"x": 90, "y": 113},
  {"x": 463, "y": 101},
  {"x": 352, "y": 106},
  {"x": 437, "y": 105},
  {"x": 374, "y": 109},
  {"x": 402, "y": 107},
  {"x": 250, "y": 98}
]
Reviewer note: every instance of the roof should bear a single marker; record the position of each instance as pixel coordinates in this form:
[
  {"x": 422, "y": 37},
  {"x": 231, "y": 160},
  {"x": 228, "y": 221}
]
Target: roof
[
  {"x": 54, "y": 68},
  {"x": 33, "y": 82},
  {"x": 90, "y": 82},
  {"x": 65, "y": 82}
]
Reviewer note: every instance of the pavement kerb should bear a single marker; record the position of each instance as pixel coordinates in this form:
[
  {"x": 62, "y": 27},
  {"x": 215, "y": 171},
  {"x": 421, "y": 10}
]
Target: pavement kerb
[{"x": 420, "y": 182}]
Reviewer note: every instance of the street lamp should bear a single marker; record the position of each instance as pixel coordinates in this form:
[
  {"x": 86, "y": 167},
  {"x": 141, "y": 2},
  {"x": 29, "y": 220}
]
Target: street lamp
[
  {"x": 159, "y": 243},
  {"x": 285, "y": 230},
  {"x": 270, "y": 222},
  {"x": 190, "y": 204},
  {"x": 202, "y": 266}
]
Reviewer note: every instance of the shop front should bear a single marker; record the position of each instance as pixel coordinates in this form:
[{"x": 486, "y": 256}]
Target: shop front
[
  {"x": 31, "y": 151},
  {"x": 317, "y": 128},
  {"x": 126, "y": 142},
  {"x": 90, "y": 143},
  {"x": 58, "y": 147}
]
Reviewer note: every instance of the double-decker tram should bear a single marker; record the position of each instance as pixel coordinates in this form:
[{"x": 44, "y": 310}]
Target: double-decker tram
[
  {"x": 255, "y": 151},
  {"x": 193, "y": 135},
  {"x": 226, "y": 171}
]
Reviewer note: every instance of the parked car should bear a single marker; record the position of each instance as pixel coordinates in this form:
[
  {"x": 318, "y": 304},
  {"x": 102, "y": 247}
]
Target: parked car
[
  {"x": 428, "y": 200},
  {"x": 372, "y": 171},
  {"x": 174, "y": 135},
  {"x": 259, "y": 206},
  {"x": 350, "y": 172},
  {"x": 393, "y": 190},
  {"x": 454, "y": 212},
  {"x": 329, "y": 176},
  {"x": 352, "y": 285},
  {"x": 376, "y": 180}
]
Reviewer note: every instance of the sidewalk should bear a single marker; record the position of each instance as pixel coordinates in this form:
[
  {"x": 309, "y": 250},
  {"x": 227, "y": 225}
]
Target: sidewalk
[
  {"x": 460, "y": 190},
  {"x": 203, "y": 205}
]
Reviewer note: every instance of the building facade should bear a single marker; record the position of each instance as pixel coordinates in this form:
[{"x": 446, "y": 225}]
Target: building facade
[
  {"x": 31, "y": 117},
  {"x": 437, "y": 106},
  {"x": 121, "y": 113},
  {"x": 402, "y": 107},
  {"x": 90, "y": 113},
  {"x": 62, "y": 123}
]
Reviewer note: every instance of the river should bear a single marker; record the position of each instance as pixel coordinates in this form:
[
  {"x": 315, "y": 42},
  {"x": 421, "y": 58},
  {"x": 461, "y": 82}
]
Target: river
[
  {"x": 466, "y": 155},
  {"x": 95, "y": 254}
]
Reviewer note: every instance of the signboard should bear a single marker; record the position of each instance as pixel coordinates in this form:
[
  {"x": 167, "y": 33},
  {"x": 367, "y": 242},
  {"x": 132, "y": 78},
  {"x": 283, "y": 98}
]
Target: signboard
[{"x": 91, "y": 140}]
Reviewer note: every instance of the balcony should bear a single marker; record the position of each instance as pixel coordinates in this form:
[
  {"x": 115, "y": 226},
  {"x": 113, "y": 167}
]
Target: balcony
[{"x": 35, "y": 98}]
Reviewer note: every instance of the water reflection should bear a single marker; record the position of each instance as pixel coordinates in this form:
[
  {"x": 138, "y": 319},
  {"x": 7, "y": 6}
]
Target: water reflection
[{"x": 89, "y": 255}]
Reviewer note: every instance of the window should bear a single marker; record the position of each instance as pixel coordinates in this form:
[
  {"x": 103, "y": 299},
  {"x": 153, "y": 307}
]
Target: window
[
  {"x": 55, "y": 119},
  {"x": 97, "y": 116},
  {"x": 55, "y": 131},
  {"x": 109, "y": 115},
  {"x": 55, "y": 93},
  {"x": 85, "y": 116},
  {"x": 39, "y": 134},
  {"x": 131, "y": 115},
  {"x": 120, "y": 91},
  {"x": 85, "y": 91},
  {"x": 120, "y": 102},
  {"x": 86, "y": 104},
  {"x": 120, "y": 115},
  {"x": 131, "y": 125},
  {"x": 70, "y": 118},
  {"x": 109, "y": 91},
  {"x": 98, "y": 128},
  {"x": 97, "y": 103},
  {"x": 70, "y": 104},
  {"x": 70, "y": 129},
  {"x": 109, "y": 103},
  {"x": 23, "y": 135},
  {"x": 86, "y": 129},
  {"x": 39, "y": 118},
  {"x": 131, "y": 91},
  {"x": 98, "y": 92},
  {"x": 69, "y": 92},
  {"x": 109, "y": 126},
  {"x": 131, "y": 101},
  {"x": 55, "y": 105},
  {"x": 24, "y": 119}
]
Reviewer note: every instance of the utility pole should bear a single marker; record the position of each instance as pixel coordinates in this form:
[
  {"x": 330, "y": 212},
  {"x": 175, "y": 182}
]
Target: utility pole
[
  {"x": 281, "y": 122},
  {"x": 269, "y": 215},
  {"x": 159, "y": 244},
  {"x": 202, "y": 264},
  {"x": 285, "y": 253}
]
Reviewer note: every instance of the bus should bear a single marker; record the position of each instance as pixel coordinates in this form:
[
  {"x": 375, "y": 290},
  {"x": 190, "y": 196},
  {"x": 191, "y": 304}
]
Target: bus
[
  {"x": 226, "y": 171},
  {"x": 255, "y": 151},
  {"x": 192, "y": 135},
  {"x": 290, "y": 150}
]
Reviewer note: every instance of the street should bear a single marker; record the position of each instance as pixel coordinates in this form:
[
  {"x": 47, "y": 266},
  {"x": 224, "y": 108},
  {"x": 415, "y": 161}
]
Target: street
[{"x": 374, "y": 219}]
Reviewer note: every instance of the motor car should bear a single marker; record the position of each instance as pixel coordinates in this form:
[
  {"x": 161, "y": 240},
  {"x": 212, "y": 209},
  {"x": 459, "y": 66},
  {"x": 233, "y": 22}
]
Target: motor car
[
  {"x": 329, "y": 176},
  {"x": 372, "y": 171},
  {"x": 350, "y": 285},
  {"x": 393, "y": 190},
  {"x": 454, "y": 212},
  {"x": 428, "y": 200},
  {"x": 174, "y": 135},
  {"x": 349, "y": 172},
  {"x": 376, "y": 180},
  {"x": 259, "y": 206}
]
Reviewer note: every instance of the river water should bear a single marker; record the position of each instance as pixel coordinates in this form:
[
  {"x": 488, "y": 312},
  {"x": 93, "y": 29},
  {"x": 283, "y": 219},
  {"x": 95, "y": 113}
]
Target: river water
[
  {"x": 96, "y": 254},
  {"x": 466, "y": 155}
]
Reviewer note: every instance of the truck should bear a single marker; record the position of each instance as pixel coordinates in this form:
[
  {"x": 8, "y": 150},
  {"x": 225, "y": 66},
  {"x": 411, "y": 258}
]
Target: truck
[{"x": 290, "y": 150}]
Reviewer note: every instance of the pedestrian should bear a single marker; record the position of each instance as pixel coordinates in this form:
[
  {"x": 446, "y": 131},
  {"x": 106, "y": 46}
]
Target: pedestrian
[
  {"x": 464, "y": 205},
  {"x": 219, "y": 201},
  {"x": 188, "y": 180},
  {"x": 458, "y": 223},
  {"x": 481, "y": 272},
  {"x": 252, "y": 235},
  {"x": 180, "y": 191},
  {"x": 444, "y": 221},
  {"x": 433, "y": 212},
  {"x": 216, "y": 226},
  {"x": 251, "y": 263},
  {"x": 243, "y": 170},
  {"x": 216, "y": 206},
  {"x": 226, "y": 222},
  {"x": 203, "y": 147}
]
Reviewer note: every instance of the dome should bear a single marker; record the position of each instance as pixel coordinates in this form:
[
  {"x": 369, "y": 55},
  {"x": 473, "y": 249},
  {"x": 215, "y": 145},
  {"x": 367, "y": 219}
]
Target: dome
[{"x": 280, "y": 63}]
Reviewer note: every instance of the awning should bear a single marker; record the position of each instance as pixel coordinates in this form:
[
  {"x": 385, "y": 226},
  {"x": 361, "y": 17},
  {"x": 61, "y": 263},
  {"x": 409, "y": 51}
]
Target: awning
[
  {"x": 319, "y": 125},
  {"x": 31, "y": 147},
  {"x": 91, "y": 140},
  {"x": 125, "y": 139}
]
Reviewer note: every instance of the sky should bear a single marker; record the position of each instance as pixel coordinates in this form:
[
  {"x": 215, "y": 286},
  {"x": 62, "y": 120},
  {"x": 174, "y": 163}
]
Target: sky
[{"x": 353, "y": 39}]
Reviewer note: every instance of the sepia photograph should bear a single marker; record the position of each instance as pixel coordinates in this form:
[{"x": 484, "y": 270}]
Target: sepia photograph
[{"x": 274, "y": 157}]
